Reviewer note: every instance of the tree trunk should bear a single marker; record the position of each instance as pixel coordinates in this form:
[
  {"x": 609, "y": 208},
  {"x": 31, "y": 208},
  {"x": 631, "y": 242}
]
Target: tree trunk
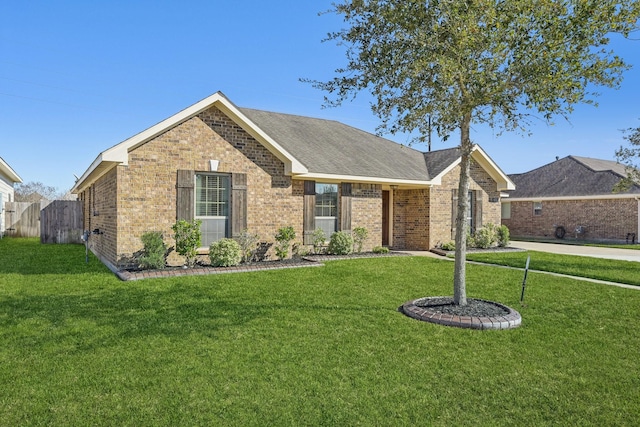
[{"x": 462, "y": 223}]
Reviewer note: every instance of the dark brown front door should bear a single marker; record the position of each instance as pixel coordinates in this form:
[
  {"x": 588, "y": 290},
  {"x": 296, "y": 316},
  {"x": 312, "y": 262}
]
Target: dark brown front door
[{"x": 385, "y": 218}]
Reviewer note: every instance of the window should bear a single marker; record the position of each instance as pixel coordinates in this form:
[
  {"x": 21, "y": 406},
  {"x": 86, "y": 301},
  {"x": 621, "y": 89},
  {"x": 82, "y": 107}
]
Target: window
[
  {"x": 212, "y": 206},
  {"x": 471, "y": 211},
  {"x": 326, "y": 209},
  {"x": 537, "y": 208},
  {"x": 506, "y": 210}
]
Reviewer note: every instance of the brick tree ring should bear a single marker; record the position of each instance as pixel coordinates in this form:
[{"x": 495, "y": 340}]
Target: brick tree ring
[{"x": 477, "y": 314}]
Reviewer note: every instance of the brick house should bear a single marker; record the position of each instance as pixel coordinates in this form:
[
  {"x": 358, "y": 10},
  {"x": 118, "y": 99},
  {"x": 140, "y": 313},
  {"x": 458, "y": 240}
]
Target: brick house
[
  {"x": 8, "y": 178},
  {"x": 237, "y": 168},
  {"x": 573, "y": 198}
]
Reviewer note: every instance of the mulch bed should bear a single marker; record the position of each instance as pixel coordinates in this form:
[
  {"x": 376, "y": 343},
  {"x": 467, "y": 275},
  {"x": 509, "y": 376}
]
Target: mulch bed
[
  {"x": 477, "y": 314},
  {"x": 202, "y": 270}
]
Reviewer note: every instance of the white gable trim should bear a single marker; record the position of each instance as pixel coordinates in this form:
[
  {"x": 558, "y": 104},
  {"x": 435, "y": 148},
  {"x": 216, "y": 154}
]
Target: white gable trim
[
  {"x": 8, "y": 172},
  {"x": 478, "y": 154},
  {"x": 404, "y": 183},
  {"x": 119, "y": 154}
]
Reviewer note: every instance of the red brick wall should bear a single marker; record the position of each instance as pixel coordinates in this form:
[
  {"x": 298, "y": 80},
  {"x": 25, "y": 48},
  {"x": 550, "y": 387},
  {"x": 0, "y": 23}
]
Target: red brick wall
[
  {"x": 100, "y": 213},
  {"x": 366, "y": 211},
  {"x": 146, "y": 196},
  {"x": 605, "y": 219},
  {"x": 422, "y": 218}
]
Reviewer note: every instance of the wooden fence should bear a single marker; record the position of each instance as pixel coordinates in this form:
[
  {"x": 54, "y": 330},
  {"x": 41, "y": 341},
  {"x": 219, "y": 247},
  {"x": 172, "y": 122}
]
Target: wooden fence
[
  {"x": 59, "y": 221},
  {"x": 22, "y": 219}
]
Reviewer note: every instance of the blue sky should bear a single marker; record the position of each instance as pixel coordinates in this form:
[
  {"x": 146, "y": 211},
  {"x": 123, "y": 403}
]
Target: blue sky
[{"x": 77, "y": 77}]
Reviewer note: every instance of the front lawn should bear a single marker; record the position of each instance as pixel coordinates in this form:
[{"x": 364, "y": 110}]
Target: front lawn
[
  {"x": 316, "y": 346},
  {"x": 595, "y": 268}
]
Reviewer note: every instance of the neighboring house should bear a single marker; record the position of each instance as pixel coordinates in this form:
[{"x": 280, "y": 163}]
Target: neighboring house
[
  {"x": 573, "y": 198},
  {"x": 8, "y": 177},
  {"x": 237, "y": 168}
]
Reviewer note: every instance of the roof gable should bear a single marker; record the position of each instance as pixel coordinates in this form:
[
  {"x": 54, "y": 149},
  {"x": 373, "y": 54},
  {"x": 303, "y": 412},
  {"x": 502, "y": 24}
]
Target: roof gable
[
  {"x": 311, "y": 149},
  {"x": 8, "y": 172},
  {"x": 570, "y": 176}
]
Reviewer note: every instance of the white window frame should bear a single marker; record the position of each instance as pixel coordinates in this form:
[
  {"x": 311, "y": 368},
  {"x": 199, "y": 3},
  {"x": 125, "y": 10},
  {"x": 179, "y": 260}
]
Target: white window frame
[
  {"x": 537, "y": 208},
  {"x": 205, "y": 218},
  {"x": 324, "y": 219}
]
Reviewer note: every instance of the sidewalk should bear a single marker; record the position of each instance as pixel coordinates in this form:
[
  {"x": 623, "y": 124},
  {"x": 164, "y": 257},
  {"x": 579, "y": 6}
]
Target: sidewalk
[{"x": 590, "y": 251}]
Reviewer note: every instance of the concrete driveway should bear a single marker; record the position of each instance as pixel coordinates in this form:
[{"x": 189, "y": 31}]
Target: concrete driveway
[{"x": 591, "y": 251}]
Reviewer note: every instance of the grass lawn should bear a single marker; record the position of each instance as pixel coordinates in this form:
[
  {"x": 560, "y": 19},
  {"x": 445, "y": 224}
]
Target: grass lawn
[
  {"x": 316, "y": 346},
  {"x": 596, "y": 268}
]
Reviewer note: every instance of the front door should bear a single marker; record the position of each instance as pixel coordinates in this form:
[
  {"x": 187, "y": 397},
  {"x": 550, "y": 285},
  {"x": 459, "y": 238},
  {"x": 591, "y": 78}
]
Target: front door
[{"x": 385, "y": 218}]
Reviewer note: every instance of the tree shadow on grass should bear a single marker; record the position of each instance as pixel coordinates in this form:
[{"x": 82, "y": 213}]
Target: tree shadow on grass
[
  {"x": 28, "y": 256},
  {"x": 104, "y": 318}
]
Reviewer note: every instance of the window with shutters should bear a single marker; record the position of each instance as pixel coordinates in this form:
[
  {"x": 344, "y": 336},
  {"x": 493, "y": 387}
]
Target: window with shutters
[
  {"x": 212, "y": 200},
  {"x": 326, "y": 209}
]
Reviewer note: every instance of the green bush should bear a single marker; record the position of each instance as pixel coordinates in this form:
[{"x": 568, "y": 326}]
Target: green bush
[
  {"x": 471, "y": 241},
  {"x": 503, "y": 236},
  {"x": 485, "y": 237},
  {"x": 188, "y": 237},
  {"x": 153, "y": 256},
  {"x": 300, "y": 250},
  {"x": 284, "y": 237},
  {"x": 248, "y": 244},
  {"x": 341, "y": 243},
  {"x": 448, "y": 246},
  {"x": 360, "y": 234},
  {"x": 225, "y": 253},
  {"x": 318, "y": 238},
  {"x": 380, "y": 250}
]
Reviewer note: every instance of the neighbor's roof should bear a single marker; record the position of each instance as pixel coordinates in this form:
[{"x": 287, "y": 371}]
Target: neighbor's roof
[
  {"x": 7, "y": 171},
  {"x": 312, "y": 148},
  {"x": 571, "y": 177}
]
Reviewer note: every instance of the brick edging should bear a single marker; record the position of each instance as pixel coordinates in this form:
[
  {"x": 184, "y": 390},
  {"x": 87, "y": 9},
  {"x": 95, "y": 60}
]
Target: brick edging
[{"x": 509, "y": 321}]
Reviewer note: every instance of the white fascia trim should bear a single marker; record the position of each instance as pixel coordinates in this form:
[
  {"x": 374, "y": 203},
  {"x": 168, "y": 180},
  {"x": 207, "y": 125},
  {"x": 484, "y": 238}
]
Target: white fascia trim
[
  {"x": 560, "y": 198},
  {"x": 479, "y": 155},
  {"x": 502, "y": 180},
  {"x": 120, "y": 153},
  {"x": 362, "y": 179},
  {"x": 9, "y": 172}
]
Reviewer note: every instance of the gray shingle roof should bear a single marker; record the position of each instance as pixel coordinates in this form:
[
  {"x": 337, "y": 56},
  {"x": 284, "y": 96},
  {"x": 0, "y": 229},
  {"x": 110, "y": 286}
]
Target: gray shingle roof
[
  {"x": 438, "y": 161},
  {"x": 570, "y": 176},
  {"x": 331, "y": 147}
]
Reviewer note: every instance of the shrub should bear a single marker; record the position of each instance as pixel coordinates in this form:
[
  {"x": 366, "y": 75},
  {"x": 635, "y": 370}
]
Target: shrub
[
  {"x": 380, "y": 250},
  {"x": 485, "y": 237},
  {"x": 360, "y": 234},
  {"x": 225, "y": 253},
  {"x": 471, "y": 242},
  {"x": 248, "y": 245},
  {"x": 300, "y": 250},
  {"x": 341, "y": 243},
  {"x": 318, "y": 238},
  {"x": 284, "y": 237},
  {"x": 154, "y": 251},
  {"x": 188, "y": 237},
  {"x": 503, "y": 236},
  {"x": 448, "y": 246}
]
